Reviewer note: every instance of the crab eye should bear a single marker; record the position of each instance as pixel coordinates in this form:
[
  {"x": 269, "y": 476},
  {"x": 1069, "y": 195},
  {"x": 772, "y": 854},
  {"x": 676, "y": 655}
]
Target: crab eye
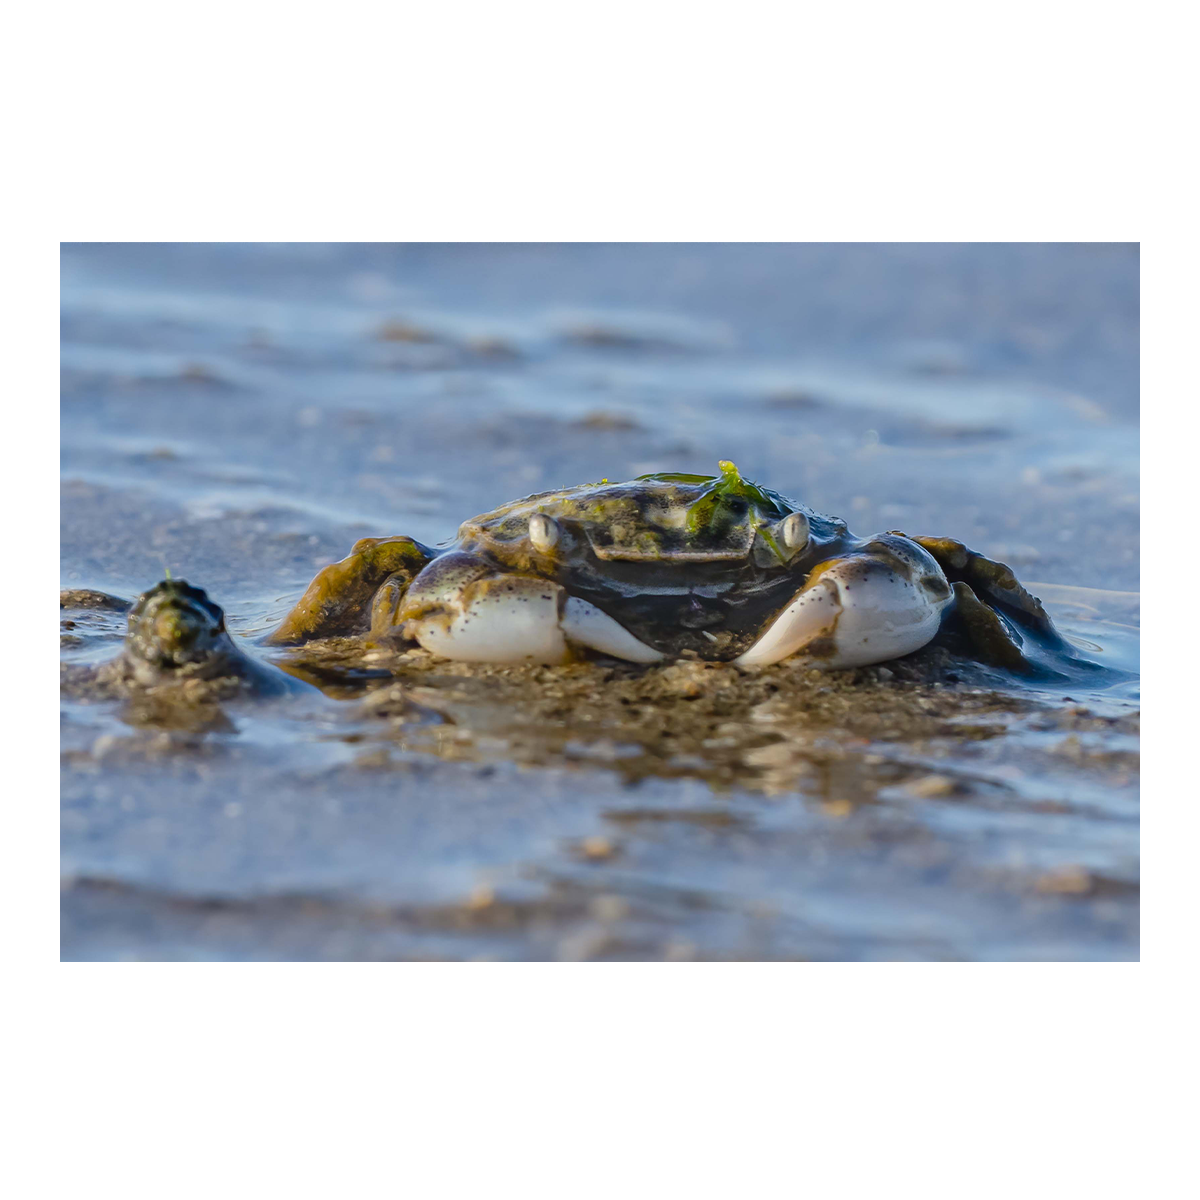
[
  {"x": 543, "y": 532},
  {"x": 793, "y": 532}
]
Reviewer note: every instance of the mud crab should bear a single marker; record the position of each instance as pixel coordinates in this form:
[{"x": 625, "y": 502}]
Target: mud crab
[
  {"x": 176, "y": 636},
  {"x": 673, "y": 565}
]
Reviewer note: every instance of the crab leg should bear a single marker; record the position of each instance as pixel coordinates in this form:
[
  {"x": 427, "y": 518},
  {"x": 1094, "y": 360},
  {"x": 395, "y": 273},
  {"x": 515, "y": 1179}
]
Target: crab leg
[
  {"x": 460, "y": 608},
  {"x": 342, "y": 601},
  {"x": 884, "y": 601},
  {"x": 992, "y": 583}
]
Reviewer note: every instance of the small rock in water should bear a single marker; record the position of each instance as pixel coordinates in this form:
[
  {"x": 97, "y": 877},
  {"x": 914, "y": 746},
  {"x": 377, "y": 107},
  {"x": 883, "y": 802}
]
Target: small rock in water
[
  {"x": 597, "y": 849},
  {"x": 588, "y": 943},
  {"x": 837, "y": 808},
  {"x": 774, "y": 754},
  {"x": 932, "y": 787},
  {"x": 608, "y": 908},
  {"x": 1065, "y": 881},
  {"x": 679, "y": 952}
]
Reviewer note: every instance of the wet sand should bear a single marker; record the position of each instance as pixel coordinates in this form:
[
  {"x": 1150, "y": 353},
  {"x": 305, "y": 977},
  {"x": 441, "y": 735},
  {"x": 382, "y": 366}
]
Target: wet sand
[{"x": 240, "y": 415}]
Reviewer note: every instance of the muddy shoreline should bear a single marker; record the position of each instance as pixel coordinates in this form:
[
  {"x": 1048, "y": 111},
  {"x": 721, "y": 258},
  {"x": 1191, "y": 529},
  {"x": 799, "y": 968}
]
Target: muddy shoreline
[{"x": 241, "y": 415}]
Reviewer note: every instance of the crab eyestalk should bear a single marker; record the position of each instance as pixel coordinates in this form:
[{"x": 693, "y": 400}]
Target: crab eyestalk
[
  {"x": 544, "y": 533},
  {"x": 787, "y": 537}
]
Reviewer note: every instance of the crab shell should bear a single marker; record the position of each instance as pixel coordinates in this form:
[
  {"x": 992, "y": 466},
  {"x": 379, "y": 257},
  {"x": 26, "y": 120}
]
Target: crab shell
[
  {"x": 177, "y": 633},
  {"x": 669, "y": 564},
  {"x": 176, "y": 625}
]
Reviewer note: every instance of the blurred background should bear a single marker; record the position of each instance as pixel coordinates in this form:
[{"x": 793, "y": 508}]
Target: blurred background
[
  {"x": 241, "y": 413},
  {"x": 983, "y": 391}
]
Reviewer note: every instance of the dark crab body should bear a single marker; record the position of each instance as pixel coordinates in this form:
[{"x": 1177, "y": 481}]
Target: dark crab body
[
  {"x": 668, "y": 565},
  {"x": 176, "y": 635},
  {"x": 676, "y": 564}
]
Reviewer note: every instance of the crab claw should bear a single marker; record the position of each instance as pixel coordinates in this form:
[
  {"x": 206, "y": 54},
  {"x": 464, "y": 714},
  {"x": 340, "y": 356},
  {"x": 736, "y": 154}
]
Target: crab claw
[
  {"x": 882, "y": 602},
  {"x": 461, "y": 608}
]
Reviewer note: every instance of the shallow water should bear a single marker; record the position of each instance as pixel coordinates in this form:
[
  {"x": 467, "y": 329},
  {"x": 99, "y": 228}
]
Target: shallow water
[{"x": 241, "y": 414}]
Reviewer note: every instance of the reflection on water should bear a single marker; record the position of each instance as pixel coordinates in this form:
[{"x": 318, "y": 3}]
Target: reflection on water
[{"x": 243, "y": 417}]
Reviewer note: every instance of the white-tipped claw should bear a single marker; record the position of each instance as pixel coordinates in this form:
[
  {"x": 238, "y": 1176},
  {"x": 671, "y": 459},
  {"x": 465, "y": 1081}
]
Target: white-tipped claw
[
  {"x": 502, "y": 619},
  {"x": 812, "y": 614},
  {"x": 586, "y": 625},
  {"x": 518, "y": 618},
  {"x": 860, "y": 610},
  {"x": 543, "y": 532}
]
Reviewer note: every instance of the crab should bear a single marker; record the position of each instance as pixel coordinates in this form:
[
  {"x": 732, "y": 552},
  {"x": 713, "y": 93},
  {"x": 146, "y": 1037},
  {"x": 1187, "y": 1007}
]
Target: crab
[
  {"x": 669, "y": 566},
  {"x": 176, "y": 636}
]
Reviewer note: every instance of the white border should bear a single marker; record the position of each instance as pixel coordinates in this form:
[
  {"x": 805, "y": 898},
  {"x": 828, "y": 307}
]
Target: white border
[{"x": 1035, "y": 121}]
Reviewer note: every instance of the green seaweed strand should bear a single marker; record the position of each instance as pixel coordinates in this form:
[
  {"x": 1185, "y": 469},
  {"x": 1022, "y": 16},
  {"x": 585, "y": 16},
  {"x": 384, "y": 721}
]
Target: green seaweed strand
[
  {"x": 729, "y": 484},
  {"x": 705, "y": 512}
]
